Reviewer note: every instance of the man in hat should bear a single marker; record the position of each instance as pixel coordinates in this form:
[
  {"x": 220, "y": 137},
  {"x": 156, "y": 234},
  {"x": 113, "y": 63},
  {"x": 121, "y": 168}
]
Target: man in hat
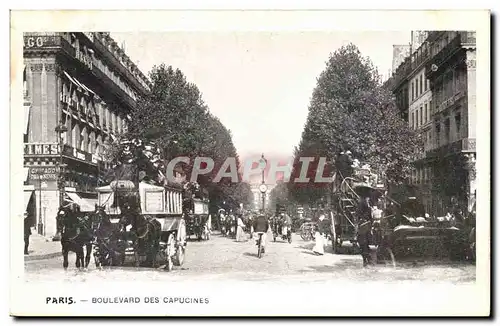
[
  {"x": 27, "y": 233},
  {"x": 345, "y": 164},
  {"x": 364, "y": 220},
  {"x": 261, "y": 225}
]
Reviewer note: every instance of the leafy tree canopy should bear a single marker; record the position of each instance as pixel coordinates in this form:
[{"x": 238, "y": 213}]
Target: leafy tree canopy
[{"x": 350, "y": 110}]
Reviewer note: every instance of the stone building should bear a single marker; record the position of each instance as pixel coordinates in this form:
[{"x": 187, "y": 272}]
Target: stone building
[
  {"x": 78, "y": 91},
  {"x": 435, "y": 91}
]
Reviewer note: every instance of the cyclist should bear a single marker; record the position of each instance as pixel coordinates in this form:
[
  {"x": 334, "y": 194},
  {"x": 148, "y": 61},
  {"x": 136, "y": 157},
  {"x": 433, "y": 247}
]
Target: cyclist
[{"x": 261, "y": 225}]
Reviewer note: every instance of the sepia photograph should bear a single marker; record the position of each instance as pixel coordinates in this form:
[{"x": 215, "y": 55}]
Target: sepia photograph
[{"x": 174, "y": 164}]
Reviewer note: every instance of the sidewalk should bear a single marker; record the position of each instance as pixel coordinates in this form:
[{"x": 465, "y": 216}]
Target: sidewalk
[{"x": 42, "y": 248}]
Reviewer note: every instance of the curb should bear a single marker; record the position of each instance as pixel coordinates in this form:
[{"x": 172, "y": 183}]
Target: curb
[{"x": 42, "y": 257}]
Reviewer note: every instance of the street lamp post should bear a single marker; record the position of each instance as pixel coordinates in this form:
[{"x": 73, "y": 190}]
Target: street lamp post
[
  {"x": 263, "y": 187},
  {"x": 60, "y": 130}
]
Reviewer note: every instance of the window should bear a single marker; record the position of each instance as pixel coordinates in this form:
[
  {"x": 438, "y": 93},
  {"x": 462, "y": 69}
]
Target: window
[
  {"x": 426, "y": 117},
  {"x": 438, "y": 134},
  {"x": 430, "y": 109},
  {"x": 447, "y": 129},
  {"x": 426, "y": 84},
  {"x": 416, "y": 87},
  {"x": 412, "y": 121},
  {"x": 421, "y": 116},
  {"x": 412, "y": 91},
  {"x": 421, "y": 88},
  {"x": 458, "y": 123}
]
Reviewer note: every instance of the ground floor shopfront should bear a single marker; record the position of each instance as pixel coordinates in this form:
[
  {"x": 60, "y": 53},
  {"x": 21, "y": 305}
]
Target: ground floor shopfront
[
  {"x": 42, "y": 193},
  {"x": 452, "y": 178}
]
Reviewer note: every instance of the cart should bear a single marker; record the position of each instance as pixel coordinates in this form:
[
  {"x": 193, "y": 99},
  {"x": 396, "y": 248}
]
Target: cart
[{"x": 162, "y": 203}]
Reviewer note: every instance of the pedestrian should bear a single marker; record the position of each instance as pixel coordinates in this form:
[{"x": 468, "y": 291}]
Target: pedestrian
[
  {"x": 319, "y": 236},
  {"x": 240, "y": 233},
  {"x": 364, "y": 217},
  {"x": 261, "y": 225},
  {"x": 27, "y": 233}
]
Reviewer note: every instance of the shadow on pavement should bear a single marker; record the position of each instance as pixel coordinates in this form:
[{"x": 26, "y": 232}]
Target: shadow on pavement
[
  {"x": 306, "y": 247},
  {"x": 309, "y": 253},
  {"x": 249, "y": 254}
]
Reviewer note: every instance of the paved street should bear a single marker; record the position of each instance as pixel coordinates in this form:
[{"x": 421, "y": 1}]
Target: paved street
[{"x": 223, "y": 258}]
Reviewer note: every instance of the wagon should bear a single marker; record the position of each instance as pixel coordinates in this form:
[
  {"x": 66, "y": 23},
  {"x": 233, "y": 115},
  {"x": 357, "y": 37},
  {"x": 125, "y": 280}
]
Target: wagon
[
  {"x": 164, "y": 204},
  {"x": 197, "y": 218}
]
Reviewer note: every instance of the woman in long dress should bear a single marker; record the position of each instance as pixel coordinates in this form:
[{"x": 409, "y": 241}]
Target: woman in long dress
[
  {"x": 240, "y": 234},
  {"x": 319, "y": 237}
]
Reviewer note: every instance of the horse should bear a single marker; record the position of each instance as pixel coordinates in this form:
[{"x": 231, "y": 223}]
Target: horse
[
  {"x": 145, "y": 232},
  {"x": 108, "y": 247},
  {"x": 75, "y": 233}
]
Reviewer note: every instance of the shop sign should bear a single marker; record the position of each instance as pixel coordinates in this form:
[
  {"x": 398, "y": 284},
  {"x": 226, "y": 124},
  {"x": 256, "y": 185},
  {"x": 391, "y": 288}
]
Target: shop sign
[
  {"x": 41, "y": 149},
  {"x": 43, "y": 173},
  {"x": 32, "y": 42}
]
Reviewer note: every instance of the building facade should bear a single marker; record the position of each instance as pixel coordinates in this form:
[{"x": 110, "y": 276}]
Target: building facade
[
  {"x": 435, "y": 91},
  {"x": 78, "y": 91}
]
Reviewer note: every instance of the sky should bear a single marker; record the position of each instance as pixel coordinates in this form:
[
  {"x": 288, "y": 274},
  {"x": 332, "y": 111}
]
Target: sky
[{"x": 258, "y": 83}]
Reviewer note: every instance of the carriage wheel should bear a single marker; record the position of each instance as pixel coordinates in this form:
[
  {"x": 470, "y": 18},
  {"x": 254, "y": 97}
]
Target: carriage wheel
[
  {"x": 384, "y": 255},
  {"x": 178, "y": 259},
  {"x": 169, "y": 252},
  {"x": 335, "y": 244}
]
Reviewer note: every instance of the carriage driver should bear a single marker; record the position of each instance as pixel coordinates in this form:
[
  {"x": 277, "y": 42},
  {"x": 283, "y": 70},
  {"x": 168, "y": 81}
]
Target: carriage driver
[{"x": 261, "y": 224}]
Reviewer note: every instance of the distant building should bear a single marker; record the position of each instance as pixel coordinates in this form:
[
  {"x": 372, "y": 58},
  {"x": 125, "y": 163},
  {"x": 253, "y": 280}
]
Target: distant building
[
  {"x": 399, "y": 54},
  {"x": 87, "y": 83}
]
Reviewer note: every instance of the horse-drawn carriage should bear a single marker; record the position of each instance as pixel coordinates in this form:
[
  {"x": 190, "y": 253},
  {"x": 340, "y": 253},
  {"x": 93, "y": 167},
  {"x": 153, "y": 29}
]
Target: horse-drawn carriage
[
  {"x": 280, "y": 227},
  {"x": 197, "y": 218},
  {"x": 148, "y": 224},
  {"x": 395, "y": 230}
]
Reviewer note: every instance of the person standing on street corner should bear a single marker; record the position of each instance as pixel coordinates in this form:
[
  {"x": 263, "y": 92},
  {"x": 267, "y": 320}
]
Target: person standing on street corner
[
  {"x": 364, "y": 217},
  {"x": 27, "y": 233},
  {"x": 261, "y": 224},
  {"x": 320, "y": 235}
]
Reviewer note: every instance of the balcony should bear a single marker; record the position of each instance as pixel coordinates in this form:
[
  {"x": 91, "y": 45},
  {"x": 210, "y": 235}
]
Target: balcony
[
  {"x": 460, "y": 41},
  {"x": 466, "y": 145},
  {"x": 36, "y": 44}
]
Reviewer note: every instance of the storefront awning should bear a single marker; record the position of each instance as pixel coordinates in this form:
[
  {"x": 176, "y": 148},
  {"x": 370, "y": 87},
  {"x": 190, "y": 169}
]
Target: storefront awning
[
  {"x": 26, "y": 117},
  {"x": 85, "y": 205},
  {"x": 27, "y": 197}
]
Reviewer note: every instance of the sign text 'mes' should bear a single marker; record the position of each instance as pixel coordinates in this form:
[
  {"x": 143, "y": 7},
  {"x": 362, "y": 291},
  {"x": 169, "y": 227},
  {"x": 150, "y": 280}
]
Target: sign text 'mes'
[{"x": 41, "y": 149}]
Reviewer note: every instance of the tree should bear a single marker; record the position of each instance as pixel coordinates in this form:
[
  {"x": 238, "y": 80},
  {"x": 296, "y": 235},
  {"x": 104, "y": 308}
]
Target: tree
[
  {"x": 279, "y": 195},
  {"x": 350, "y": 109},
  {"x": 174, "y": 117}
]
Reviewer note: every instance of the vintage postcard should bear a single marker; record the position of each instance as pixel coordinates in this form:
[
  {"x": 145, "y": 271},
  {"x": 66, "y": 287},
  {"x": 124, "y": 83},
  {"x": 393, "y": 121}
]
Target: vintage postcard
[{"x": 250, "y": 163}]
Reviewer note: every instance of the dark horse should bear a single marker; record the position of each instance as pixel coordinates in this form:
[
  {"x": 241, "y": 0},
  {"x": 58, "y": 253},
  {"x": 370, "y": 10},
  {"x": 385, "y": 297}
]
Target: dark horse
[
  {"x": 145, "y": 232},
  {"x": 109, "y": 247},
  {"x": 76, "y": 233}
]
